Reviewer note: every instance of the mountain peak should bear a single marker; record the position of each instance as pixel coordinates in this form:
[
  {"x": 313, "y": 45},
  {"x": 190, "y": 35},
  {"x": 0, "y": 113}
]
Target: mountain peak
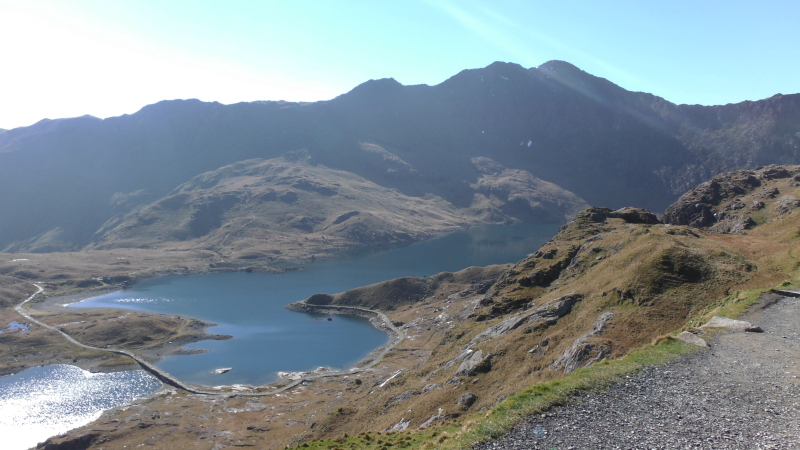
[
  {"x": 557, "y": 65},
  {"x": 380, "y": 84},
  {"x": 502, "y": 65},
  {"x": 563, "y": 71},
  {"x": 373, "y": 89}
]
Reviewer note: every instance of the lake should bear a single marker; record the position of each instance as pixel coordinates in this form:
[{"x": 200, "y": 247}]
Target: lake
[
  {"x": 45, "y": 401},
  {"x": 269, "y": 338}
]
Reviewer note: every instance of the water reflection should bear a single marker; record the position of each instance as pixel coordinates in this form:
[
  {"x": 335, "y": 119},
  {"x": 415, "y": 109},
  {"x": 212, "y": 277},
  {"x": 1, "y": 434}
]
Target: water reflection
[
  {"x": 46, "y": 401},
  {"x": 14, "y": 325}
]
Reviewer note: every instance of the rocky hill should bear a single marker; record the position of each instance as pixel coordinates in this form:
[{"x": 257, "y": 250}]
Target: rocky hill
[
  {"x": 610, "y": 281},
  {"x": 501, "y": 131},
  {"x": 738, "y": 201},
  {"x": 280, "y": 206}
]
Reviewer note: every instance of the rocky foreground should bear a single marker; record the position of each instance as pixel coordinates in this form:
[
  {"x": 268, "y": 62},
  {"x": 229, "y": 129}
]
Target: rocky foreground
[{"x": 742, "y": 393}]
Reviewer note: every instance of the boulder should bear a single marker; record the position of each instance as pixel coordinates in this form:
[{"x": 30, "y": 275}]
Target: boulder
[
  {"x": 430, "y": 387},
  {"x": 634, "y": 215},
  {"x": 731, "y": 324},
  {"x": 476, "y": 363},
  {"x": 467, "y": 400},
  {"x": 691, "y": 338}
]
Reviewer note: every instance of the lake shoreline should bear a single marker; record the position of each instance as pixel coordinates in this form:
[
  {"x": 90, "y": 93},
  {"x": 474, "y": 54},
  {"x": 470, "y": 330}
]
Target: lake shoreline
[
  {"x": 377, "y": 319},
  {"x": 175, "y": 346},
  {"x": 59, "y": 304}
]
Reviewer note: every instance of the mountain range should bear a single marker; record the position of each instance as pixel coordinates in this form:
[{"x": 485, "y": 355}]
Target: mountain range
[{"x": 497, "y": 144}]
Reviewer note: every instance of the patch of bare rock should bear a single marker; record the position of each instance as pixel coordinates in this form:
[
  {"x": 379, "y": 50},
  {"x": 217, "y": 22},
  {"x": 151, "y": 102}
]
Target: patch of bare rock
[
  {"x": 742, "y": 392},
  {"x": 728, "y": 202}
]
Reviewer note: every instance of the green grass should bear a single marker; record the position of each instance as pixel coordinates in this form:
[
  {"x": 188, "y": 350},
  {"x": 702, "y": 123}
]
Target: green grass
[
  {"x": 732, "y": 306},
  {"x": 790, "y": 285},
  {"x": 759, "y": 217}
]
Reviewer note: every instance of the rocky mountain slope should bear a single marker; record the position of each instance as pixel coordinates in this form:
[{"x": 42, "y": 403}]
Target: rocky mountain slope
[
  {"x": 738, "y": 201},
  {"x": 609, "y": 282},
  {"x": 738, "y": 395},
  {"x": 62, "y": 181}
]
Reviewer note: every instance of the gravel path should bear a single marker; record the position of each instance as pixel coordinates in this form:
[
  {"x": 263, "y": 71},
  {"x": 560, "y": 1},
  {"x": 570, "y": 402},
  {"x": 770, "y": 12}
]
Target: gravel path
[{"x": 743, "y": 393}]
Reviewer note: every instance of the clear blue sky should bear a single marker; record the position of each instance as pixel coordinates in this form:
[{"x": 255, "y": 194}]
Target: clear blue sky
[{"x": 109, "y": 57}]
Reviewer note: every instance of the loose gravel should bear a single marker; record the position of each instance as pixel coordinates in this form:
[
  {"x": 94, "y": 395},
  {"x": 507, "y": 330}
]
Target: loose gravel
[{"x": 743, "y": 393}]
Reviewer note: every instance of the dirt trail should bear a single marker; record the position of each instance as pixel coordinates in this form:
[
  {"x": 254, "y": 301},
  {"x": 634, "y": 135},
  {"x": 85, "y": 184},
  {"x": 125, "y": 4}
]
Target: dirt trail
[{"x": 743, "y": 393}]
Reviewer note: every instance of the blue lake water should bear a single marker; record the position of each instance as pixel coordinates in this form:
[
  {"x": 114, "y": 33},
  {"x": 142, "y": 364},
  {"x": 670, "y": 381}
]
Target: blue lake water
[
  {"x": 45, "y": 401},
  {"x": 269, "y": 338}
]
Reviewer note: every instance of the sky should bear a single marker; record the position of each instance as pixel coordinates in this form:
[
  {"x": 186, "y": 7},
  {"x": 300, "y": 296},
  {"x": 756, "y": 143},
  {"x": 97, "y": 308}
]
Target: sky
[{"x": 105, "y": 58}]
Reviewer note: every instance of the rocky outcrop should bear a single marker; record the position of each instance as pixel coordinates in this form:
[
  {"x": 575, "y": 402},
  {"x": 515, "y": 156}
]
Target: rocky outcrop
[
  {"x": 545, "y": 275},
  {"x": 634, "y": 215},
  {"x": 472, "y": 362},
  {"x": 691, "y": 338},
  {"x": 731, "y": 324},
  {"x": 628, "y": 214},
  {"x": 725, "y": 203},
  {"x": 733, "y": 224},
  {"x": 467, "y": 400},
  {"x": 585, "y": 351},
  {"x": 476, "y": 362},
  {"x": 544, "y": 316},
  {"x": 438, "y": 417},
  {"x": 81, "y": 442}
]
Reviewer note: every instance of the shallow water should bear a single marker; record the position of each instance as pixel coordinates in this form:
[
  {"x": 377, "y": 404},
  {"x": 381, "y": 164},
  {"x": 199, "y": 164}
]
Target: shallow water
[
  {"x": 14, "y": 325},
  {"x": 268, "y": 338},
  {"x": 45, "y": 401}
]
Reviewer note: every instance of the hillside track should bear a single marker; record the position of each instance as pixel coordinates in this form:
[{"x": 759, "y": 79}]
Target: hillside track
[{"x": 743, "y": 393}]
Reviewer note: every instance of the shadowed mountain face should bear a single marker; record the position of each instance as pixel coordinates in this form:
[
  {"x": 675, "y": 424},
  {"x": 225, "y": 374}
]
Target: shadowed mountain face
[{"x": 62, "y": 180}]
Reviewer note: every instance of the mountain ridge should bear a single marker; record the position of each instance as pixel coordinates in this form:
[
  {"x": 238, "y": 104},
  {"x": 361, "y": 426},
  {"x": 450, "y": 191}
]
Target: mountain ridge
[{"x": 583, "y": 133}]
